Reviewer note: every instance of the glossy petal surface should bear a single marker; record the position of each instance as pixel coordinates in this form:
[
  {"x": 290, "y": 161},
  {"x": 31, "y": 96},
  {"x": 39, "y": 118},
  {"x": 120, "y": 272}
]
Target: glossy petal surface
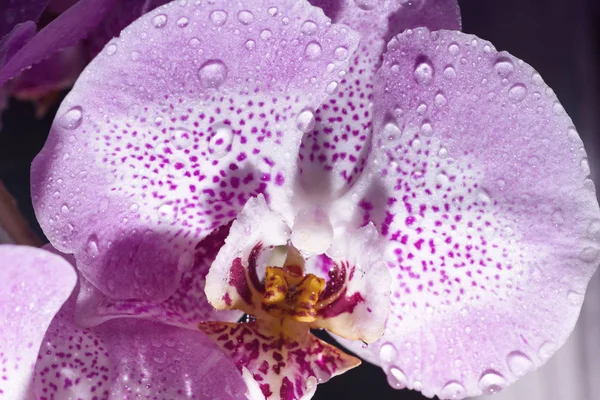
[
  {"x": 186, "y": 307},
  {"x": 479, "y": 181},
  {"x": 66, "y": 30},
  {"x": 15, "y": 40},
  {"x": 284, "y": 368},
  {"x": 172, "y": 128},
  {"x": 34, "y": 284},
  {"x": 131, "y": 359},
  {"x": 334, "y": 153}
]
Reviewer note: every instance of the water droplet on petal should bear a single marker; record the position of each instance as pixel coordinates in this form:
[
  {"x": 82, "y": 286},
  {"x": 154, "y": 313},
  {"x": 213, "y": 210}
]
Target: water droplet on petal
[
  {"x": 250, "y": 44},
  {"x": 159, "y": 21},
  {"x": 450, "y": 72},
  {"x": 341, "y": 53},
  {"x": 412, "y": 4},
  {"x": 391, "y": 131},
  {"x": 72, "y": 119},
  {"x": 440, "y": 99},
  {"x": 546, "y": 350},
  {"x": 453, "y": 390},
  {"x": 212, "y": 73},
  {"x": 266, "y": 34},
  {"x": 245, "y": 17},
  {"x": 218, "y": 17},
  {"x": 111, "y": 49},
  {"x": 366, "y": 4},
  {"x": 332, "y": 87},
  {"x": 423, "y": 72},
  {"x": 222, "y": 139},
  {"x": 574, "y": 298},
  {"x": 396, "y": 378},
  {"x": 518, "y": 363},
  {"x": 312, "y": 50},
  {"x": 558, "y": 109},
  {"x": 91, "y": 246},
  {"x": 454, "y": 49},
  {"x": 167, "y": 213},
  {"x": 426, "y": 128},
  {"x": 309, "y": 28},
  {"x": 387, "y": 353},
  {"x": 183, "y": 22},
  {"x": 272, "y": 11},
  {"x": 492, "y": 382},
  {"x": 517, "y": 93},
  {"x": 504, "y": 67},
  {"x": 305, "y": 121}
]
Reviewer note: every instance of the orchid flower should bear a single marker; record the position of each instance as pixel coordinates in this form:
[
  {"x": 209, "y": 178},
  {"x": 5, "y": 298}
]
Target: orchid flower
[{"x": 445, "y": 169}]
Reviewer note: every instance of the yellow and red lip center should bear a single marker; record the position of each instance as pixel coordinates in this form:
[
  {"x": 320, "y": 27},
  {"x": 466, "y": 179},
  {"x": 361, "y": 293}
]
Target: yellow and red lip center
[{"x": 291, "y": 294}]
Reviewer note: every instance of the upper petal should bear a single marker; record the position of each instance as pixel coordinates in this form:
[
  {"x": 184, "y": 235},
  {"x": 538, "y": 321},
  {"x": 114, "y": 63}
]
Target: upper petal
[
  {"x": 172, "y": 127},
  {"x": 34, "y": 284},
  {"x": 15, "y": 12},
  {"x": 334, "y": 153},
  {"x": 479, "y": 181}
]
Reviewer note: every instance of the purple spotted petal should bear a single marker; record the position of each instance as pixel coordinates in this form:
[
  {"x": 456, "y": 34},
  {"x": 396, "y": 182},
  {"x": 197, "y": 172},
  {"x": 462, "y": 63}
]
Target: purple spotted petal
[
  {"x": 13, "y": 12},
  {"x": 338, "y": 146},
  {"x": 171, "y": 128},
  {"x": 34, "y": 284},
  {"x": 66, "y": 30},
  {"x": 131, "y": 359},
  {"x": 283, "y": 368},
  {"x": 492, "y": 221},
  {"x": 186, "y": 307}
]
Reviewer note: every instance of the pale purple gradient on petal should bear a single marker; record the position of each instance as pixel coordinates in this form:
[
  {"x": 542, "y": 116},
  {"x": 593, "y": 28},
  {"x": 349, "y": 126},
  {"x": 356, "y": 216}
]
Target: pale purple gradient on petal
[
  {"x": 171, "y": 128},
  {"x": 66, "y": 30},
  {"x": 334, "y": 153},
  {"x": 186, "y": 307},
  {"x": 480, "y": 181},
  {"x": 34, "y": 284},
  {"x": 126, "y": 359}
]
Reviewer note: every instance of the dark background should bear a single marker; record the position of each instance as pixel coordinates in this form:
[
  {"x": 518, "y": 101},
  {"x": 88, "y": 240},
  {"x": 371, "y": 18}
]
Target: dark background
[{"x": 559, "y": 38}]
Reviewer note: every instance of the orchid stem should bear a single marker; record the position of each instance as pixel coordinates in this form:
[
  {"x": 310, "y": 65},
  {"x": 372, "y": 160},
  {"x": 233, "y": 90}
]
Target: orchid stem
[{"x": 13, "y": 222}]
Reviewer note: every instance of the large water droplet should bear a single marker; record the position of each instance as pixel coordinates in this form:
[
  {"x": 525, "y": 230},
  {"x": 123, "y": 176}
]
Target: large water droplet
[
  {"x": 454, "y": 49},
  {"x": 449, "y": 72},
  {"x": 312, "y": 50},
  {"x": 183, "y": 22},
  {"x": 453, "y": 390},
  {"x": 396, "y": 378},
  {"x": 91, "y": 246},
  {"x": 218, "y": 17},
  {"x": 309, "y": 28},
  {"x": 387, "y": 353},
  {"x": 504, "y": 67},
  {"x": 366, "y": 4},
  {"x": 212, "y": 73},
  {"x": 111, "y": 49},
  {"x": 518, "y": 363},
  {"x": 492, "y": 382},
  {"x": 517, "y": 93},
  {"x": 266, "y": 34},
  {"x": 423, "y": 72},
  {"x": 391, "y": 131},
  {"x": 159, "y": 21},
  {"x": 245, "y": 17},
  {"x": 222, "y": 139},
  {"x": 72, "y": 119},
  {"x": 546, "y": 350},
  {"x": 341, "y": 53},
  {"x": 250, "y": 44},
  {"x": 440, "y": 99},
  {"x": 305, "y": 121},
  {"x": 167, "y": 213},
  {"x": 272, "y": 11}
]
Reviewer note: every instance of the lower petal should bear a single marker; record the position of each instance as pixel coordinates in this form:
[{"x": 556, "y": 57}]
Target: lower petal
[
  {"x": 33, "y": 286},
  {"x": 281, "y": 366},
  {"x": 128, "y": 358}
]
